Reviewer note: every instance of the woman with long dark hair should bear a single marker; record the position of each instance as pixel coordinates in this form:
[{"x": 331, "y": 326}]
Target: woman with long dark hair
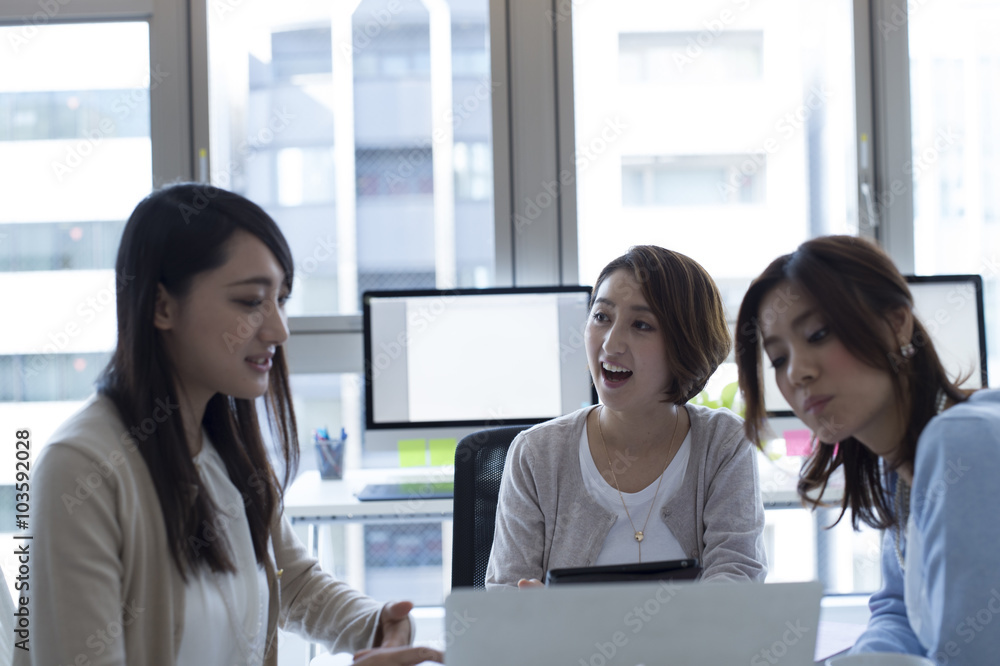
[
  {"x": 159, "y": 531},
  {"x": 920, "y": 457}
]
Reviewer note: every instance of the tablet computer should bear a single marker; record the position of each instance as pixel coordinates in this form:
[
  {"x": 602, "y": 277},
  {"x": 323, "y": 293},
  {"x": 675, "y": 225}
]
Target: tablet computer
[{"x": 620, "y": 573}]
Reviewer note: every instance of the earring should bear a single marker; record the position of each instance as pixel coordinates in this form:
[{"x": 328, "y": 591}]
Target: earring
[{"x": 908, "y": 350}]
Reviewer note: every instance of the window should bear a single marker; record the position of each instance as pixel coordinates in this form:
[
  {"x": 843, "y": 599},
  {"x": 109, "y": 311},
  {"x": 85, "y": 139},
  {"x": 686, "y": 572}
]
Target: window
[
  {"x": 954, "y": 69},
  {"x": 75, "y": 158},
  {"x": 690, "y": 57},
  {"x": 683, "y": 180},
  {"x": 726, "y": 133},
  {"x": 367, "y": 137},
  {"x": 473, "y": 171},
  {"x": 740, "y": 116}
]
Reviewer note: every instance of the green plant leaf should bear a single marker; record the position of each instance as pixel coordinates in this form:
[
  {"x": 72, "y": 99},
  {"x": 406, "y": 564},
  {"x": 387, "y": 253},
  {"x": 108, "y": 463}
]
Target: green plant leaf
[{"x": 729, "y": 394}]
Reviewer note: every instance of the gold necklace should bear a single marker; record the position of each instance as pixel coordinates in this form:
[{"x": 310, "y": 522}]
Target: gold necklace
[{"x": 639, "y": 534}]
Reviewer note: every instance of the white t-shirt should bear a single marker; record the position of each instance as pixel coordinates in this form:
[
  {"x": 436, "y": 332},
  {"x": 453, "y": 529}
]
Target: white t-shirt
[
  {"x": 620, "y": 546},
  {"x": 225, "y": 615}
]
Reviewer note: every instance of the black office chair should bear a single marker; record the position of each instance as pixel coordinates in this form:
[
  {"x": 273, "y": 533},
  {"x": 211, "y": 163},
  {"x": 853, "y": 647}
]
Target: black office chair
[{"x": 479, "y": 461}]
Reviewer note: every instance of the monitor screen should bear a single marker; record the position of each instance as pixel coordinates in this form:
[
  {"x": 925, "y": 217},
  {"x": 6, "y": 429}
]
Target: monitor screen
[
  {"x": 951, "y": 309},
  {"x": 482, "y": 357}
]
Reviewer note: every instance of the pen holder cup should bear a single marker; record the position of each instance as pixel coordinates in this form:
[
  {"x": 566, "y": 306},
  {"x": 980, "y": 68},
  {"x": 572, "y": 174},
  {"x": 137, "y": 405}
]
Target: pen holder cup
[{"x": 330, "y": 459}]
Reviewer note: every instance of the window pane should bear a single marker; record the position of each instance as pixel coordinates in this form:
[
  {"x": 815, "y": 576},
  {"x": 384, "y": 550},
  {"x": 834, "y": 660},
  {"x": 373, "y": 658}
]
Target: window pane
[
  {"x": 723, "y": 131},
  {"x": 955, "y": 101},
  {"x": 366, "y": 135},
  {"x": 75, "y": 159}
]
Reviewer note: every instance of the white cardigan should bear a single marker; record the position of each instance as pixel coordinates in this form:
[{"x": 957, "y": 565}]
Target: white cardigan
[{"x": 103, "y": 582}]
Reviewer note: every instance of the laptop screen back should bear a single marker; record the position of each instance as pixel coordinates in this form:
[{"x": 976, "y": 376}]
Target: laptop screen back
[{"x": 635, "y": 623}]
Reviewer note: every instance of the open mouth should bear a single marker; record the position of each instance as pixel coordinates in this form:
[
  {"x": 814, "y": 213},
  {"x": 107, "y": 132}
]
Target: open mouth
[
  {"x": 260, "y": 363},
  {"x": 615, "y": 373}
]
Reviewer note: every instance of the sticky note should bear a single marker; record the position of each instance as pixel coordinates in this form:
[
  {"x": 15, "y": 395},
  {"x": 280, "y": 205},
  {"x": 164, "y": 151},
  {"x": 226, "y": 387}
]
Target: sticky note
[
  {"x": 443, "y": 451},
  {"x": 412, "y": 452},
  {"x": 798, "y": 442}
]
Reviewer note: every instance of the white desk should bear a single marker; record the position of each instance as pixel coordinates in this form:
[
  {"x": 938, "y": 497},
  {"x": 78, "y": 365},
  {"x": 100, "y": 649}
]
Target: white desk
[{"x": 310, "y": 499}]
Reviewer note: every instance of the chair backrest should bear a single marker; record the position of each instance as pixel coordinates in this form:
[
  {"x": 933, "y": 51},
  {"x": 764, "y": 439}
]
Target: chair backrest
[{"x": 479, "y": 461}]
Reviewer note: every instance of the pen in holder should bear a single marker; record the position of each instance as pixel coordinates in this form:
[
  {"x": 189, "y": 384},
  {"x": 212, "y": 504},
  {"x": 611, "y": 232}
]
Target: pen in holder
[{"x": 329, "y": 454}]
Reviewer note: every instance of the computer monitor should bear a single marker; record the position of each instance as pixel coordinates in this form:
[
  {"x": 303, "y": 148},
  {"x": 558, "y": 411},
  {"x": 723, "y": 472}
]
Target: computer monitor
[
  {"x": 468, "y": 359},
  {"x": 951, "y": 309}
]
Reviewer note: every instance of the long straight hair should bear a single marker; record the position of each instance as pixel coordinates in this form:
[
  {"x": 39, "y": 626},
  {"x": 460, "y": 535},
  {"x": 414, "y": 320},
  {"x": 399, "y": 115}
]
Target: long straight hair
[
  {"x": 855, "y": 287},
  {"x": 173, "y": 235}
]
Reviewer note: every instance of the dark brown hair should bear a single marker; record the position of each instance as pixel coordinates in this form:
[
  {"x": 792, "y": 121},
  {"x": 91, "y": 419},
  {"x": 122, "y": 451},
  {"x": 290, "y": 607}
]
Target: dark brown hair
[
  {"x": 855, "y": 287},
  {"x": 172, "y": 236},
  {"x": 688, "y": 309}
]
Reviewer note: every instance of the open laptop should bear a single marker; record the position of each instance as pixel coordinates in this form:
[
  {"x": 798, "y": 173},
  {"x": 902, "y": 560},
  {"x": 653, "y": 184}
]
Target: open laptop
[{"x": 632, "y": 624}]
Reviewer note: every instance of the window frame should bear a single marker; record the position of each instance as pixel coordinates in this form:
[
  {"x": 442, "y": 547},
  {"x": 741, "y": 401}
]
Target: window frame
[{"x": 534, "y": 153}]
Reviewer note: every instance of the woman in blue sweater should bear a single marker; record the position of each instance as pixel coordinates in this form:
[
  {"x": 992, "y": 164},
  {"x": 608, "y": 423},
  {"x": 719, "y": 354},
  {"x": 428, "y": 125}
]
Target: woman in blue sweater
[{"x": 920, "y": 457}]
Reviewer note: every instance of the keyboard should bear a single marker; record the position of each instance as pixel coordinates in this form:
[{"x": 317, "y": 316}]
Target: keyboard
[{"x": 406, "y": 491}]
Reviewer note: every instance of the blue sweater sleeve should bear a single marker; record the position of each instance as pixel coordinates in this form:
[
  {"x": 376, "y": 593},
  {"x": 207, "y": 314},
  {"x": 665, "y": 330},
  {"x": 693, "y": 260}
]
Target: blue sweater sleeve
[
  {"x": 889, "y": 628},
  {"x": 953, "y": 501}
]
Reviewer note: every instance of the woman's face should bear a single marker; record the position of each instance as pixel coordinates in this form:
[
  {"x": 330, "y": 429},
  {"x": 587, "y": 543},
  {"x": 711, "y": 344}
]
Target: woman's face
[
  {"x": 625, "y": 348},
  {"x": 832, "y": 391},
  {"x": 222, "y": 335}
]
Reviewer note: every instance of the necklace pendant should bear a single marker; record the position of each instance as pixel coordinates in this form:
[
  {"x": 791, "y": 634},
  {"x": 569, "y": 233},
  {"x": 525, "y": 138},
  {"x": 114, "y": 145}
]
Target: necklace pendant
[{"x": 638, "y": 536}]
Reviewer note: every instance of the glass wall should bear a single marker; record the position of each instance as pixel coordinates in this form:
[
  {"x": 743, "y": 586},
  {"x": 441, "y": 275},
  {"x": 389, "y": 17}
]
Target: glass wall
[
  {"x": 75, "y": 158},
  {"x": 366, "y": 133},
  {"x": 955, "y": 101},
  {"x": 725, "y": 131}
]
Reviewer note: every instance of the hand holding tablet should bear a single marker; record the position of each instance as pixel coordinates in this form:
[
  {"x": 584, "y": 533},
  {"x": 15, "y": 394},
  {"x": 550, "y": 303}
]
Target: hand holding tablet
[{"x": 672, "y": 570}]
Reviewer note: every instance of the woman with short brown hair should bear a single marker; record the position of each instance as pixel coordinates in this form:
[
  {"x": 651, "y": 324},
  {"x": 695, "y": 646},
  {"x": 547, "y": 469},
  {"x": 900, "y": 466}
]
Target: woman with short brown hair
[{"x": 583, "y": 489}]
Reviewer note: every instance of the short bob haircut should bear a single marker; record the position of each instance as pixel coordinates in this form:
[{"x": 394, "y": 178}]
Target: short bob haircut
[
  {"x": 855, "y": 287},
  {"x": 688, "y": 309}
]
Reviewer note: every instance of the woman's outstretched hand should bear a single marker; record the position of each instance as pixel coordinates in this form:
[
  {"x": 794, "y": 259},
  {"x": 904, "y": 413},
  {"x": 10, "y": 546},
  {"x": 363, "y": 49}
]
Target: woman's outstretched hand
[
  {"x": 397, "y": 656},
  {"x": 394, "y": 626},
  {"x": 525, "y": 583}
]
